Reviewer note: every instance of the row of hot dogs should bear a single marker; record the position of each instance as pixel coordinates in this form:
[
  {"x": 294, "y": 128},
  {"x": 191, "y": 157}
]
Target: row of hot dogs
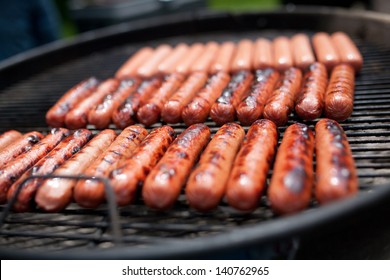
[
  {"x": 231, "y": 165},
  {"x": 245, "y": 96}
]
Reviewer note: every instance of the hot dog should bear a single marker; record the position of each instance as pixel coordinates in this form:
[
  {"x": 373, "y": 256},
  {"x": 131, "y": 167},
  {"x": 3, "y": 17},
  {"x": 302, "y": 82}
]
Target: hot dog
[
  {"x": 335, "y": 169},
  {"x": 325, "y": 50},
  {"x": 263, "y": 56},
  {"x": 168, "y": 65},
  {"x": 203, "y": 63},
  {"x": 8, "y": 138},
  {"x": 347, "y": 50},
  {"x": 163, "y": 184},
  {"x": 301, "y": 50},
  {"x": 292, "y": 180},
  {"x": 246, "y": 184},
  {"x": 185, "y": 64},
  {"x": 149, "y": 67},
  {"x": 242, "y": 59},
  {"x": 130, "y": 67},
  {"x": 223, "y": 59},
  {"x": 282, "y": 53},
  {"x": 207, "y": 183}
]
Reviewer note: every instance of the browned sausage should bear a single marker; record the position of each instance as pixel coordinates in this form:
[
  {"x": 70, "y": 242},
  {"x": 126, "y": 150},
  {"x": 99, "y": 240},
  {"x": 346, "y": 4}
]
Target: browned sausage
[
  {"x": 203, "y": 63},
  {"x": 150, "y": 113},
  {"x": 78, "y": 116},
  {"x": 8, "y": 138},
  {"x": 310, "y": 99},
  {"x": 15, "y": 168},
  {"x": 125, "y": 114},
  {"x": 224, "y": 108},
  {"x": 347, "y": 50},
  {"x": 282, "y": 53},
  {"x": 130, "y": 67},
  {"x": 168, "y": 65},
  {"x": 340, "y": 93},
  {"x": 224, "y": 57},
  {"x": 325, "y": 50},
  {"x": 248, "y": 178},
  {"x": 21, "y": 145},
  {"x": 335, "y": 169},
  {"x": 207, "y": 183},
  {"x": 184, "y": 66},
  {"x": 55, "y": 194},
  {"x": 91, "y": 193},
  {"x": 56, "y": 115},
  {"x": 281, "y": 102},
  {"x": 242, "y": 59},
  {"x": 252, "y": 106},
  {"x": 100, "y": 116},
  {"x": 133, "y": 172},
  {"x": 164, "y": 183},
  {"x": 302, "y": 53},
  {"x": 64, "y": 150},
  {"x": 171, "y": 112},
  {"x": 149, "y": 67},
  {"x": 263, "y": 56},
  {"x": 292, "y": 180},
  {"x": 197, "y": 111}
]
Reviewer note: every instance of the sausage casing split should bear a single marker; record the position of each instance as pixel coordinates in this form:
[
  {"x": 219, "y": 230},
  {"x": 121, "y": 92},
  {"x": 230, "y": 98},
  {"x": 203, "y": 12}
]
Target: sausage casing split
[
  {"x": 56, "y": 157},
  {"x": 56, "y": 193},
  {"x": 149, "y": 67},
  {"x": 347, "y": 50},
  {"x": 15, "y": 168},
  {"x": 339, "y": 94},
  {"x": 242, "y": 59},
  {"x": 204, "y": 61},
  {"x": 130, "y": 67},
  {"x": 8, "y": 138},
  {"x": 263, "y": 56},
  {"x": 246, "y": 184},
  {"x": 335, "y": 169},
  {"x": 301, "y": 49},
  {"x": 292, "y": 180},
  {"x": 133, "y": 172},
  {"x": 310, "y": 100},
  {"x": 224, "y": 108},
  {"x": 55, "y": 117},
  {"x": 165, "y": 181},
  {"x": 184, "y": 66},
  {"x": 91, "y": 193},
  {"x": 100, "y": 116},
  {"x": 78, "y": 116},
  {"x": 224, "y": 57},
  {"x": 282, "y": 53},
  {"x": 325, "y": 50},
  {"x": 126, "y": 113},
  {"x": 282, "y": 100},
  {"x": 168, "y": 65},
  {"x": 197, "y": 111},
  {"x": 20, "y": 146},
  {"x": 150, "y": 113},
  {"x": 252, "y": 106},
  {"x": 207, "y": 182}
]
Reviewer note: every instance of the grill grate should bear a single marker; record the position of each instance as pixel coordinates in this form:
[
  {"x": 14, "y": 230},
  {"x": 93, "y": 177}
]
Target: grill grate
[{"x": 23, "y": 106}]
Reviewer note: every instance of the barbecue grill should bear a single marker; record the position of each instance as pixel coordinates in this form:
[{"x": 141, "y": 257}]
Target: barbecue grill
[{"x": 30, "y": 83}]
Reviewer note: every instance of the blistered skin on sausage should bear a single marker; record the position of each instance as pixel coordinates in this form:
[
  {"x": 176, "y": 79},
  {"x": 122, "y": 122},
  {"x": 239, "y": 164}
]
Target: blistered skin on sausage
[
  {"x": 340, "y": 93},
  {"x": 126, "y": 113},
  {"x": 91, "y": 193},
  {"x": 171, "y": 112},
  {"x": 20, "y": 146},
  {"x": 185, "y": 64},
  {"x": 246, "y": 184},
  {"x": 242, "y": 59},
  {"x": 325, "y": 50},
  {"x": 224, "y": 108},
  {"x": 224, "y": 58},
  {"x": 168, "y": 65},
  {"x": 310, "y": 100},
  {"x": 78, "y": 116},
  {"x": 150, "y": 113},
  {"x": 282, "y": 100},
  {"x": 263, "y": 55},
  {"x": 335, "y": 169},
  {"x": 149, "y": 67},
  {"x": 8, "y": 138},
  {"x": 197, "y": 111},
  {"x": 55, "y": 194},
  {"x": 100, "y": 116},
  {"x": 164, "y": 183},
  {"x": 292, "y": 180},
  {"x": 203, "y": 63},
  {"x": 347, "y": 50},
  {"x": 302, "y": 52},
  {"x": 56, "y": 157},
  {"x": 252, "y": 106},
  {"x": 133, "y": 172},
  {"x": 282, "y": 53},
  {"x": 130, "y": 67},
  {"x": 207, "y": 182},
  {"x": 15, "y": 168},
  {"x": 55, "y": 117}
]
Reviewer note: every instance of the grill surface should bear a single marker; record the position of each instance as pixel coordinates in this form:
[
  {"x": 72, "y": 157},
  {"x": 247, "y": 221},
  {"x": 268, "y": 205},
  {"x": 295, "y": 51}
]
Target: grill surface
[{"x": 78, "y": 232}]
